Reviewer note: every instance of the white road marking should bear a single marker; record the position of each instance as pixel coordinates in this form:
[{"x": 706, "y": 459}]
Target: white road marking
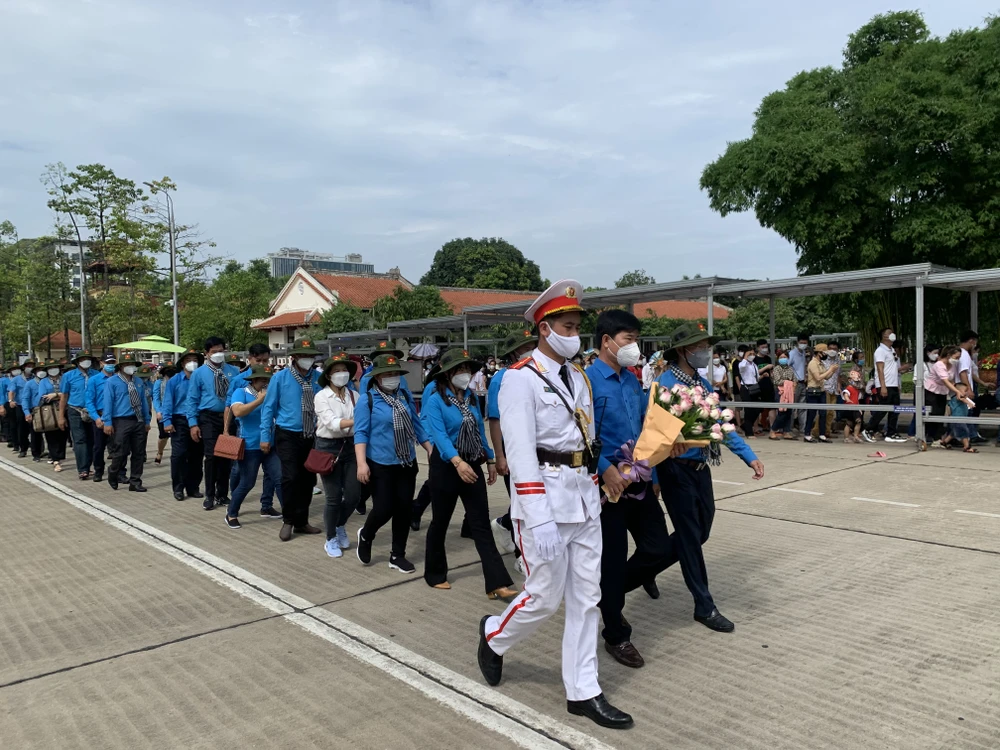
[
  {"x": 978, "y": 513},
  {"x": 723, "y": 481},
  {"x": 886, "y": 502},
  {"x": 516, "y": 721},
  {"x": 800, "y": 492}
]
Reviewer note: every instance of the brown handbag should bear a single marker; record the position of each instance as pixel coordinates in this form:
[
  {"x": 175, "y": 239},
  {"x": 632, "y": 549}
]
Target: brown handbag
[
  {"x": 45, "y": 418},
  {"x": 229, "y": 446}
]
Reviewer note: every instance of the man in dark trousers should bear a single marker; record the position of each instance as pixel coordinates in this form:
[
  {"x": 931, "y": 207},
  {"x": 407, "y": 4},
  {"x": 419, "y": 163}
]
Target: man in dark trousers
[
  {"x": 126, "y": 418},
  {"x": 20, "y": 379}
]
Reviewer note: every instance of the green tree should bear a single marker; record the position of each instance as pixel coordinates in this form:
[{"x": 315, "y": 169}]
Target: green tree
[
  {"x": 341, "y": 318},
  {"x": 227, "y": 306},
  {"x": 751, "y": 320},
  {"x": 409, "y": 304},
  {"x": 487, "y": 263},
  {"x": 639, "y": 277}
]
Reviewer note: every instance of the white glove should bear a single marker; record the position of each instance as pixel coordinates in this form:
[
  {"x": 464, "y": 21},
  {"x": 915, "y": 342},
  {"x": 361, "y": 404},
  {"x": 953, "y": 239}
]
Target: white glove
[{"x": 548, "y": 542}]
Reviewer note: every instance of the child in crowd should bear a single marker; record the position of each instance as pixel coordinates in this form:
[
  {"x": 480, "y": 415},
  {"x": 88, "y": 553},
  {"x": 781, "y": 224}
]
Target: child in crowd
[
  {"x": 852, "y": 418},
  {"x": 960, "y": 403}
]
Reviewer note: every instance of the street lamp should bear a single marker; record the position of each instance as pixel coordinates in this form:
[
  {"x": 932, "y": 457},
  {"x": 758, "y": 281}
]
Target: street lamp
[{"x": 173, "y": 258}]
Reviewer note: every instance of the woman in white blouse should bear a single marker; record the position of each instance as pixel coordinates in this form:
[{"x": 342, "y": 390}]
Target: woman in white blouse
[{"x": 335, "y": 434}]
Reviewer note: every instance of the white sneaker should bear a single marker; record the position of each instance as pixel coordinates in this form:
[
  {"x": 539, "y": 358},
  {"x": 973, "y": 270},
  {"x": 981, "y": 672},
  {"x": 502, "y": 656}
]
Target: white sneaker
[
  {"x": 895, "y": 439},
  {"x": 317, "y": 490},
  {"x": 332, "y": 548},
  {"x": 501, "y": 535},
  {"x": 519, "y": 567}
]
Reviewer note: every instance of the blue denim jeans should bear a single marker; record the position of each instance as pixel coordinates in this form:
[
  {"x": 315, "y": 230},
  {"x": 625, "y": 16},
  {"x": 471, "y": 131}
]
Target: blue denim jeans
[
  {"x": 249, "y": 469},
  {"x": 267, "y": 495}
]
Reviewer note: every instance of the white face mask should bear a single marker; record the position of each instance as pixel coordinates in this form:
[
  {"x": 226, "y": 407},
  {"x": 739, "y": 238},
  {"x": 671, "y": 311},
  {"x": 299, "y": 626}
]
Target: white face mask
[
  {"x": 218, "y": 358},
  {"x": 340, "y": 379},
  {"x": 190, "y": 366},
  {"x": 39, "y": 374},
  {"x": 716, "y": 361},
  {"x": 389, "y": 382},
  {"x": 305, "y": 363},
  {"x": 933, "y": 356},
  {"x": 27, "y": 370},
  {"x": 15, "y": 373},
  {"x": 628, "y": 355},
  {"x": 564, "y": 346},
  {"x": 53, "y": 371},
  {"x": 84, "y": 364},
  {"x": 129, "y": 369},
  {"x": 764, "y": 350},
  {"x": 461, "y": 381},
  {"x": 892, "y": 338},
  {"x": 803, "y": 347}
]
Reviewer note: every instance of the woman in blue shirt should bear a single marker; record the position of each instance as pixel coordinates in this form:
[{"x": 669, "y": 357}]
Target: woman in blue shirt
[
  {"x": 452, "y": 417},
  {"x": 31, "y": 400},
  {"x": 386, "y": 428},
  {"x": 245, "y": 406},
  {"x": 48, "y": 393},
  {"x": 167, "y": 371}
]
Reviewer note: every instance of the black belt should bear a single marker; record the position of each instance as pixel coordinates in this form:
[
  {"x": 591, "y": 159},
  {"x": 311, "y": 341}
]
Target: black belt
[
  {"x": 574, "y": 460},
  {"x": 692, "y": 463}
]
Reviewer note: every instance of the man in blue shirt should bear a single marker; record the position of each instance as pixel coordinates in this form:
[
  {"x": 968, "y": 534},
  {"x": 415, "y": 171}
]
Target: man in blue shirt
[
  {"x": 206, "y": 404},
  {"x": 73, "y": 411},
  {"x": 126, "y": 420},
  {"x": 797, "y": 360},
  {"x": 185, "y": 454},
  {"x": 619, "y": 410},
  {"x": 21, "y": 378},
  {"x": 288, "y": 421},
  {"x": 686, "y": 480},
  {"x": 95, "y": 407},
  {"x": 5, "y": 415},
  {"x": 258, "y": 354}
]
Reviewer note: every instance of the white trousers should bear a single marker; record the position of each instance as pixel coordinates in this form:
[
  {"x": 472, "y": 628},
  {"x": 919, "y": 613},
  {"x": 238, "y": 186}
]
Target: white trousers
[{"x": 574, "y": 575}]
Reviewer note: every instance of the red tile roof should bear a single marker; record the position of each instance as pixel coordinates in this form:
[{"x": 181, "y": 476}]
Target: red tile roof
[
  {"x": 286, "y": 320},
  {"x": 459, "y": 299},
  {"x": 59, "y": 339},
  {"x": 680, "y": 310},
  {"x": 361, "y": 291}
]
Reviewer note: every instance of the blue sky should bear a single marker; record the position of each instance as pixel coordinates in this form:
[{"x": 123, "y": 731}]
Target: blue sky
[{"x": 576, "y": 129}]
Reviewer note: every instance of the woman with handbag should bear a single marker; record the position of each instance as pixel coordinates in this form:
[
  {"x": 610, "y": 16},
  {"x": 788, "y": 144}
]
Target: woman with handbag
[
  {"x": 386, "y": 427},
  {"x": 452, "y": 418},
  {"x": 245, "y": 407},
  {"x": 334, "y": 452}
]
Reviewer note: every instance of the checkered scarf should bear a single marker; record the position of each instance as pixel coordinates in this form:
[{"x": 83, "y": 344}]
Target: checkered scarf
[
  {"x": 402, "y": 428},
  {"x": 469, "y": 444},
  {"x": 133, "y": 396},
  {"x": 308, "y": 402},
  {"x": 221, "y": 381},
  {"x": 712, "y": 455}
]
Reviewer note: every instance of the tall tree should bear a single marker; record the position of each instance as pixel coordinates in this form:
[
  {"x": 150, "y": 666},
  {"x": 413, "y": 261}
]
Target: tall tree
[
  {"x": 639, "y": 277},
  {"x": 409, "y": 304},
  {"x": 341, "y": 318},
  {"x": 487, "y": 263},
  {"x": 243, "y": 294}
]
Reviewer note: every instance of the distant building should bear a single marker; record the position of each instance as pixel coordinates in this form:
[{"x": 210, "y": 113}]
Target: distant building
[
  {"x": 69, "y": 251},
  {"x": 287, "y": 259}
]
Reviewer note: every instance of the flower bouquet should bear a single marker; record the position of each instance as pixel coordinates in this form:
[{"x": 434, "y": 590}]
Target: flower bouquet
[{"x": 988, "y": 368}]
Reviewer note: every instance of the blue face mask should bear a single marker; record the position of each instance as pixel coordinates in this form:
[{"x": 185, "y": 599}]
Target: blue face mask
[
  {"x": 861, "y": 362},
  {"x": 109, "y": 369},
  {"x": 782, "y": 360}
]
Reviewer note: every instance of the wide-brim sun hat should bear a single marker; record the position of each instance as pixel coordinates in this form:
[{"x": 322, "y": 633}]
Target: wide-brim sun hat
[
  {"x": 128, "y": 358},
  {"x": 340, "y": 358},
  {"x": 385, "y": 347},
  {"x": 516, "y": 340},
  {"x": 387, "y": 364},
  {"x": 452, "y": 359},
  {"x": 687, "y": 335},
  {"x": 192, "y": 353},
  {"x": 83, "y": 354},
  {"x": 259, "y": 372},
  {"x": 304, "y": 347}
]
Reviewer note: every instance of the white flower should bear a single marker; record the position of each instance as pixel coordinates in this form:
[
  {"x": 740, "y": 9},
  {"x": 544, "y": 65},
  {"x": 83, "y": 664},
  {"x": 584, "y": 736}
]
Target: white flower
[
  {"x": 697, "y": 429},
  {"x": 704, "y": 412},
  {"x": 715, "y": 436},
  {"x": 727, "y": 427},
  {"x": 676, "y": 410},
  {"x": 727, "y": 415},
  {"x": 715, "y": 414}
]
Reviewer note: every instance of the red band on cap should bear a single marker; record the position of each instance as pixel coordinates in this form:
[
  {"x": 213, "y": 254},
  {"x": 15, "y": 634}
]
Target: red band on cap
[{"x": 557, "y": 305}]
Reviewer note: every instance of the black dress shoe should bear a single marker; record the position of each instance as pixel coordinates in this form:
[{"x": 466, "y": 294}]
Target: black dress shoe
[
  {"x": 113, "y": 483},
  {"x": 717, "y": 622},
  {"x": 222, "y": 501},
  {"x": 652, "y": 589},
  {"x": 625, "y": 654},
  {"x": 209, "y": 503},
  {"x": 415, "y": 524},
  {"x": 196, "y": 495},
  {"x": 136, "y": 488},
  {"x": 178, "y": 496},
  {"x": 99, "y": 476},
  {"x": 490, "y": 664},
  {"x": 598, "y": 710}
]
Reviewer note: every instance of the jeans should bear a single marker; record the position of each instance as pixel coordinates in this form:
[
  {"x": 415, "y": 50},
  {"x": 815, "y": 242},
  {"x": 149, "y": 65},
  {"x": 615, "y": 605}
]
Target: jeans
[
  {"x": 341, "y": 486},
  {"x": 827, "y": 417},
  {"x": 392, "y": 488},
  {"x": 83, "y": 440},
  {"x": 876, "y": 421},
  {"x": 296, "y": 483},
  {"x": 815, "y": 398},
  {"x": 249, "y": 468},
  {"x": 783, "y": 421}
]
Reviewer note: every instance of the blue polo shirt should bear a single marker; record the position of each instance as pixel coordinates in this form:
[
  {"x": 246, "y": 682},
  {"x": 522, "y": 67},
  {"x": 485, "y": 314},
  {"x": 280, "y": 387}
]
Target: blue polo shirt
[
  {"x": 74, "y": 384},
  {"x": 95, "y": 394},
  {"x": 18, "y": 385},
  {"x": 493, "y": 395},
  {"x": 249, "y": 424},
  {"x": 733, "y": 441},
  {"x": 374, "y": 428},
  {"x": 159, "y": 389},
  {"x": 118, "y": 404},
  {"x": 443, "y": 421},
  {"x": 201, "y": 392},
  {"x": 619, "y": 409},
  {"x": 236, "y": 383},
  {"x": 29, "y": 395},
  {"x": 175, "y": 397},
  {"x": 283, "y": 403}
]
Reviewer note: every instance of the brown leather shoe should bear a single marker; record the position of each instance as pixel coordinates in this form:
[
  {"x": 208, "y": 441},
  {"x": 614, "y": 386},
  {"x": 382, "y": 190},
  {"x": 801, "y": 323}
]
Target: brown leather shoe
[
  {"x": 504, "y": 593},
  {"x": 626, "y": 654},
  {"x": 286, "y": 532},
  {"x": 307, "y": 529}
]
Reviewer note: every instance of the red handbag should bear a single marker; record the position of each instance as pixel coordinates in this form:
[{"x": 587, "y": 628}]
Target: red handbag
[{"x": 321, "y": 462}]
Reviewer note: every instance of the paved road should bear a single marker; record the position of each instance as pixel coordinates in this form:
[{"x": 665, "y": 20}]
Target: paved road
[{"x": 863, "y": 591}]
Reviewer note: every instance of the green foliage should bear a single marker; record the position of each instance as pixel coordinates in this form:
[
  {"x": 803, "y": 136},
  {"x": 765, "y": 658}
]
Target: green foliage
[
  {"x": 654, "y": 325},
  {"x": 487, "y": 263},
  {"x": 409, "y": 304},
  {"x": 751, "y": 320},
  {"x": 342, "y": 318},
  {"x": 226, "y": 307},
  {"x": 639, "y": 277}
]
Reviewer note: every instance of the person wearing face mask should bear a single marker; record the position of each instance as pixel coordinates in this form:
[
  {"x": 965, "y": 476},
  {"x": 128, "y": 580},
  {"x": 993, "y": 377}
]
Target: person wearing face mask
[
  {"x": 205, "y": 410},
  {"x": 22, "y": 377},
  {"x": 784, "y": 382},
  {"x": 765, "y": 366},
  {"x": 29, "y": 394},
  {"x": 382, "y": 347},
  {"x": 819, "y": 370},
  {"x": 48, "y": 393},
  {"x": 547, "y": 416},
  {"x": 288, "y": 420},
  {"x": 620, "y": 408},
  {"x": 127, "y": 420},
  {"x": 832, "y": 387},
  {"x": 95, "y": 407},
  {"x": 686, "y": 480},
  {"x": 886, "y": 389},
  {"x": 716, "y": 373},
  {"x": 385, "y": 429},
  {"x": 798, "y": 361},
  {"x": 750, "y": 391},
  {"x": 185, "y": 454},
  {"x": 335, "y": 435},
  {"x": 451, "y": 417},
  {"x": 73, "y": 415}
]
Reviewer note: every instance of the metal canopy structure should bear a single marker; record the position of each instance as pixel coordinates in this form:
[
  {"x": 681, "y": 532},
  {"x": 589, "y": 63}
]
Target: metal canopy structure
[{"x": 870, "y": 279}]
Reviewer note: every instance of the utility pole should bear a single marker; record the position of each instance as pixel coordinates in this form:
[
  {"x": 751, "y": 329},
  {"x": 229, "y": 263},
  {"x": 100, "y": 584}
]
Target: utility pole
[{"x": 173, "y": 259}]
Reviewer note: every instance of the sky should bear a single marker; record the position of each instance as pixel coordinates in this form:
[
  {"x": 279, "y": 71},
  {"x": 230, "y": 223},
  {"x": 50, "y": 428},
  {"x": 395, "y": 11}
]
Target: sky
[{"x": 575, "y": 129}]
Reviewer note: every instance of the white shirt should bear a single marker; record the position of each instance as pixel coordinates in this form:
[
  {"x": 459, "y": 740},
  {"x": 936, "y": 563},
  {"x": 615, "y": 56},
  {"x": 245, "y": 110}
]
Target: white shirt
[
  {"x": 748, "y": 372},
  {"x": 478, "y": 382},
  {"x": 647, "y": 376},
  {"x": 890, "y": 366},
  {"x": 964, "y": 365},
  {"x": 330, "y": 410},
  {"x": 718, "y": 374}
]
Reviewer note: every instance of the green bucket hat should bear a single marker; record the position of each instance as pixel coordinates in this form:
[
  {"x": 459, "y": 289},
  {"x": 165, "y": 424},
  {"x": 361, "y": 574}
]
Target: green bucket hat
[
  {"x": 84, "y": 354},
  {"x": 688, "y": 334},
  {"x": 199, "y": 356},
  {"x": 236, "y": 361},
  {"x": 304, "y": 347},
  {"x": 516, "y": 341},
  {"x": 450, "y": 360},
  {"x": 387, "y": 364},
  {"x": 340, "y": 358},
  {"x": 128, "y": 358},
  {"x": 145, "y": 372},
  {"x": 385, "y": 347},
  {"x": 258, "y": 372}
]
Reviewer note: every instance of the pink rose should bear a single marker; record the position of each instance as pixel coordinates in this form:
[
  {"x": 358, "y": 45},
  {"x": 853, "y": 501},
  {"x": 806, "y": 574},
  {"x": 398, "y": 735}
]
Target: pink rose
[
  {"x": 727, "y": 427},
  {"x": 727, "y": 414}
]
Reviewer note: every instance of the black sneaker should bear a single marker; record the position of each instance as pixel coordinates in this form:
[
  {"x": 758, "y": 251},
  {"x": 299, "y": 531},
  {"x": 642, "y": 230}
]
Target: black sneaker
[
  {"x": 270, "y": 513},
  {"x": 196, "y": 495},
  {"x": 222, "y": 501},
  {"x": 401, "y": 564},
  {"x": 209, "y": 503},
  {"x": 362, "y": 509},
  {"x": 233, "y": 523},
  {"x": 99, "y": 476},
  {"x": 364, "y": 549}
]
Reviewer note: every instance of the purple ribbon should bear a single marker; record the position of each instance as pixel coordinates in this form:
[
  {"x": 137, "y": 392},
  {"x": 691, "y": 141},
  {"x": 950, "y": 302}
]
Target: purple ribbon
[{"x": 633, "y": 470}]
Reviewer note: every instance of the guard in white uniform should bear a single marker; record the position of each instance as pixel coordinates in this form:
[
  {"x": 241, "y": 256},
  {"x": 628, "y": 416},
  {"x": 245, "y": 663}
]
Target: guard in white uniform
[{"x": 547, "y": 417}]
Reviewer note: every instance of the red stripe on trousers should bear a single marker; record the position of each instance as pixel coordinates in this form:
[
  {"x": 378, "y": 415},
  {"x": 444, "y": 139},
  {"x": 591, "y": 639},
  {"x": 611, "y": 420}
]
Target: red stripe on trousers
[{"x": 507, "y": 618}]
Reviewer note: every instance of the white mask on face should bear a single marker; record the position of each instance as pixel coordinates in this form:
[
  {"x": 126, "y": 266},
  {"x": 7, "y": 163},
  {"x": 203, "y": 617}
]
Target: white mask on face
[
  {"x": 628, "y": 355},
  {"x": 933, "y": 356},
  {"x": 39, "y": 374},
  {"x": 461, "y": 381},
  {"x": 564, "y": 346},
  {"x": 892, "y": 338},
  {"x": 129, "y": 369},
  {"x": 84, "y": 364},
  {"x": 803, "y": 347},
  {"x": 717, "y": 361},
  {"x": 390, "y": 382},
  {"x": 340, "y": 379},
  {"x": 15, "y": 373},
  {"x": 218, "y": 358},
  {"x": 305, "y": 363},
  {"x": 190, "y": 366},
  {"x": 764, "y": 350},
  {"x": 53, "y": 371}
]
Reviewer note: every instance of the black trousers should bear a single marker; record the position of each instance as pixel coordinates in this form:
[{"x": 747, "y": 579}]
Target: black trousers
[
  {"x": 446, "y": 488},
  {"x": 296, "y": 483},
  {"x": 129, "y": 439},
  {"x": 5, "y": 423},
  {"x": 55, "y": 441},
  {"x": 216, "y": 469},
  {"x": 749, "y": 414},
  {"x": 101, "y": 442},
  {"x": 341, "y": 485},
  {"x": 23, "y": 429},
  {"x": 37, "y": 441},
  {"x": 876, "y": 421},
  {"x": 392, "y": 488},
  {"x": 937, "y": 402},
  {"x": 654, "y": 553},
  {"x": 186, "y": 457},
  {"x": 690, "y": 500}
]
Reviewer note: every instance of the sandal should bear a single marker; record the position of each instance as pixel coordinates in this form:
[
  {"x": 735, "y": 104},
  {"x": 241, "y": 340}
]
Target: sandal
[
  {"x": 159, "y": 459},
  {"x": 442, "y": 586},
  {"x": 56, "y": 466},
  {"x": 790, "y": 437},
  {"x": 970, "y": 449}
]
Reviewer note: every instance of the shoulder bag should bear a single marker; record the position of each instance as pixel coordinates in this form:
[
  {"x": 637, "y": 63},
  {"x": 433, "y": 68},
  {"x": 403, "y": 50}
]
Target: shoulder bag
[
  {"x": 229, "y": 446},
  {"x": 45, "y": 418}
]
